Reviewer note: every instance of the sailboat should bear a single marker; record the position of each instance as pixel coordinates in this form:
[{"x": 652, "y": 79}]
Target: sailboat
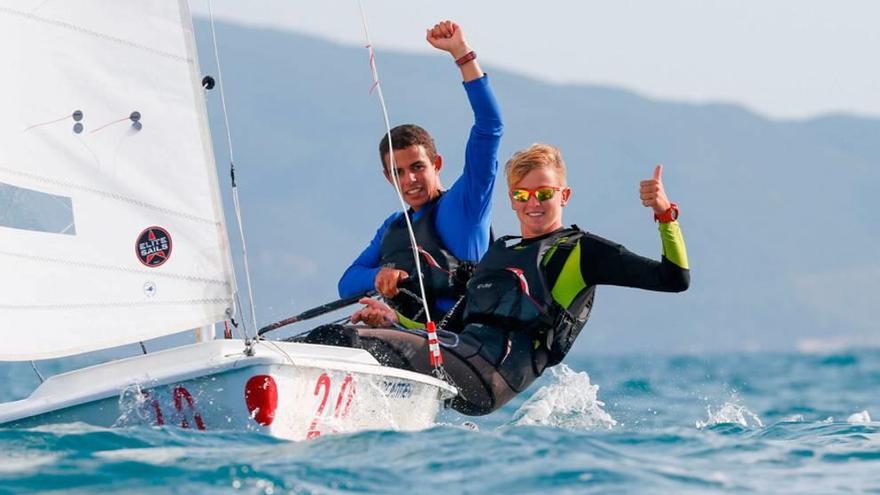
[{"x": 112, "y": 232}]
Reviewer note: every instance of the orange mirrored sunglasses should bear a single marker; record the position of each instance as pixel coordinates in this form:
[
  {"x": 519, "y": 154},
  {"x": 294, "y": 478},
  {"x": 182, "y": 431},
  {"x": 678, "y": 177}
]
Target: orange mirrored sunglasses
[{"x": 542, "y": 193}]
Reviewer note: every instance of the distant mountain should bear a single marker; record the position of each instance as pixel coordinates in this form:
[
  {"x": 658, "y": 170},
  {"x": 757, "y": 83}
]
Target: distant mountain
[{"x": 779, "y": 216}]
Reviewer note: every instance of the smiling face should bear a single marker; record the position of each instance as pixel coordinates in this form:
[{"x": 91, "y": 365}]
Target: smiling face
[
  {"x": 537, "y": 218},
  {"x": 418, "y": 175}
]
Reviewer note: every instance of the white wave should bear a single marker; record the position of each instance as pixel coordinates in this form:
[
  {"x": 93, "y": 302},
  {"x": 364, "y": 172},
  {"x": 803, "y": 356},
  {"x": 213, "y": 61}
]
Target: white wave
[
  {"x": 20, "y": 463},
  {"x": 825, "y": 346},
  {"x": 731, "y": 413},
  {"x": 859, "y": 418},
  {"x": 794, "y": 418},
  {"x": 61, "y": 429},
  {"x": 166, "y": 456},
  {"x": 569, "y": 401}
]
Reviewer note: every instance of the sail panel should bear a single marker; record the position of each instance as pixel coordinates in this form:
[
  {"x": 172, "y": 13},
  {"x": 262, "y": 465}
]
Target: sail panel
[
  {"x": 103, "y": 108},
  {"x": 34, "y": 210}
]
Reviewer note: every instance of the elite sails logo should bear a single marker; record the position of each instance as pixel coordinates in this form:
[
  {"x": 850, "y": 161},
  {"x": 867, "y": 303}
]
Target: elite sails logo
[{"x": 153, "y": 247}]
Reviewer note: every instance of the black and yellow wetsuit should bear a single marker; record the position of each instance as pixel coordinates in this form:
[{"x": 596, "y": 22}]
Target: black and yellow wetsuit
[{"x": 526, "y": 304}]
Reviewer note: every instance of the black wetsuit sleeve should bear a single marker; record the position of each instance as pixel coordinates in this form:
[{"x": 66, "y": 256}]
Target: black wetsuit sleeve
[{"x": 604, "y": 262}]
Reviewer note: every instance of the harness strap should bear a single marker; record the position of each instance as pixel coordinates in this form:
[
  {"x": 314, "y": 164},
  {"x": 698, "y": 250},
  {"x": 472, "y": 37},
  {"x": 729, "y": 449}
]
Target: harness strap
[{"x": 553, "y": 262}]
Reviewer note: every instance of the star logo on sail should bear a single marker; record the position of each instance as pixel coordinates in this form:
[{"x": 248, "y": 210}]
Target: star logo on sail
[{"x": 153, "y": 247}]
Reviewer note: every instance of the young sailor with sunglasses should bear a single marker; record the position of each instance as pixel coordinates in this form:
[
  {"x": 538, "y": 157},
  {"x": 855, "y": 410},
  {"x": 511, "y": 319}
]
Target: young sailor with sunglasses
[
  {"x": 451, "y": 227},
  {"x": 530, "y": 296}
]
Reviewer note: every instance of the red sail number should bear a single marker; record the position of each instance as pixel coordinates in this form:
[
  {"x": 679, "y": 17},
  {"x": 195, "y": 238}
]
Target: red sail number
[
  {"x": 180, "y": 395},
  {"x": 323, "y": 381},
  {"x": 346, "y": 391},
  {"x": 343, "y": 401},
  {"x": 148, "y": 396},
  {"x": 183, "y": 404}
]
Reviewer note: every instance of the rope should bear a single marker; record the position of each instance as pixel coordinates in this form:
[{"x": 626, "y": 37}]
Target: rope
[
  {"x": 46, "y": 123},
  {"x": 37, "y": 371},
  {"x": 235, "y": 199},
  {"x": 108, "y": 124},
  {"x": 433, "y": 342}
]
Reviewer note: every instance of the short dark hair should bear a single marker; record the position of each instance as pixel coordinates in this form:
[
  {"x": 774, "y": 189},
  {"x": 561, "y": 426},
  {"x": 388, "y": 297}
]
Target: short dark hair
[{"x": 404, "y": 136}]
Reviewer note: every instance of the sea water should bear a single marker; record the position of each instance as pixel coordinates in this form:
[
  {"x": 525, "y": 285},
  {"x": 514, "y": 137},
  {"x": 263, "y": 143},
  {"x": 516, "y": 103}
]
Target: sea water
[{"x": 749, "y": 423}]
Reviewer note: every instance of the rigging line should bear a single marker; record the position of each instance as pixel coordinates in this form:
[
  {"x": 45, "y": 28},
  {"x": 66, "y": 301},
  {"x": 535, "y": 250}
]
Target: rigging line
[
  {"x": 243, "y": 330},
  {"x": 37, "y": 371},
  {"x": 378, "y": 87},
  {"x": 434, "y": 353},
  {"x": 45, "y": 123},
  {"x": 230, "y": 318},
  {"x": 272, "y": 345},
  {"x": 108, "y": 124},
  {"x": 235, "y": 199}
]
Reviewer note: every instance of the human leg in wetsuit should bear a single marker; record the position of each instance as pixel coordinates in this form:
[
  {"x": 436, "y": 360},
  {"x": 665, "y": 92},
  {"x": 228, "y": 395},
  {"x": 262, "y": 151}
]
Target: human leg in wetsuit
[{"x": 467, "y": 359}]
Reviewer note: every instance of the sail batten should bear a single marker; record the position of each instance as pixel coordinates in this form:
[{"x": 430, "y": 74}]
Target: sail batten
[
  {"x": 88, "y": 32},
  {"x": 97, "y": 266},
  {"x": 105, "y": 110},
  {"x": 107, "y": 194}
]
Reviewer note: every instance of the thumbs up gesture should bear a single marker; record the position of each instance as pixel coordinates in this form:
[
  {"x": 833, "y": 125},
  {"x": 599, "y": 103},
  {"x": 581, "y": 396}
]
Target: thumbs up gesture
[{"x": 652, "y": 193}]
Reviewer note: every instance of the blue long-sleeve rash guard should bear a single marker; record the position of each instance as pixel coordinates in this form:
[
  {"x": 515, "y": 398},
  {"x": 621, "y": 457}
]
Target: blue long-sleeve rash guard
[{"x": 464, "y": 211}]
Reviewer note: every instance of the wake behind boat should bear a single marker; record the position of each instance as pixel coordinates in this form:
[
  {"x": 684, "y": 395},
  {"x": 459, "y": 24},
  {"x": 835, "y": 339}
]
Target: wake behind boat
[{"x": 113, "y": 233}]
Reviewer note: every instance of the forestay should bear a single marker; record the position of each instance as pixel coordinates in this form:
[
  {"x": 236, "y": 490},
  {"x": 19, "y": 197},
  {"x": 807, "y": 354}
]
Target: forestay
[{"x": 111, "y": 225}]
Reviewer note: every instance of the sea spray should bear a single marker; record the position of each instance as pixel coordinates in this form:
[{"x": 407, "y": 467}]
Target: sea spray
[
  {"x": 134, "y": 407},
  {"x": 568, "y": 401},
  {"x": 859, "y": 418},
  {"x": 731, "y": 413}
]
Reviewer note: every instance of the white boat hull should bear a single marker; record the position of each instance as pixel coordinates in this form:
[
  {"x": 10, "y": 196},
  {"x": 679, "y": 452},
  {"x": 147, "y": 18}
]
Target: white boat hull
[{"x": 287, "y": 390}]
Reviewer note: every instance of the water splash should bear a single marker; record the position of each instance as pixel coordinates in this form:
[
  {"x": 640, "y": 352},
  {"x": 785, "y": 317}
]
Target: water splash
[
  {"x": 134, "y": 406},
  {"x": 731, "y": 413},
  {"x": 470, "y": 425},
  {"x": 859, "y": 418},
  {"x": 794, "y": 418},
  {"x": 569, "y": 401}
]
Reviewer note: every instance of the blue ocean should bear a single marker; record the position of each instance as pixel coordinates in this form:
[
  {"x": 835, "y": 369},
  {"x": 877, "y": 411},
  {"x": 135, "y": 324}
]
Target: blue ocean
[{"x": 733, "y": 423}]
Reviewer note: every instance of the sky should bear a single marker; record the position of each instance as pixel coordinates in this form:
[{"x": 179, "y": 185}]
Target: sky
[{"x": 785, "y": 59}]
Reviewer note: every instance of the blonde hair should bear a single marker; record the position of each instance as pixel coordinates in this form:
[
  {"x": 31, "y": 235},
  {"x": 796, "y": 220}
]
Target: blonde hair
[{"x": 535, "y": 156}]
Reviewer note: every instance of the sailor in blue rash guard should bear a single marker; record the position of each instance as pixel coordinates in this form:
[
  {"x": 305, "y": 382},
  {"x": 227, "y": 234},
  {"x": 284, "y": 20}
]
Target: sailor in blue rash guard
[{"x": 451, "y": 226}]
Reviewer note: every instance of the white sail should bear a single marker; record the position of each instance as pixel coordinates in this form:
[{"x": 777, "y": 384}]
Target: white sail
[{"x": 111, "y": 229}]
